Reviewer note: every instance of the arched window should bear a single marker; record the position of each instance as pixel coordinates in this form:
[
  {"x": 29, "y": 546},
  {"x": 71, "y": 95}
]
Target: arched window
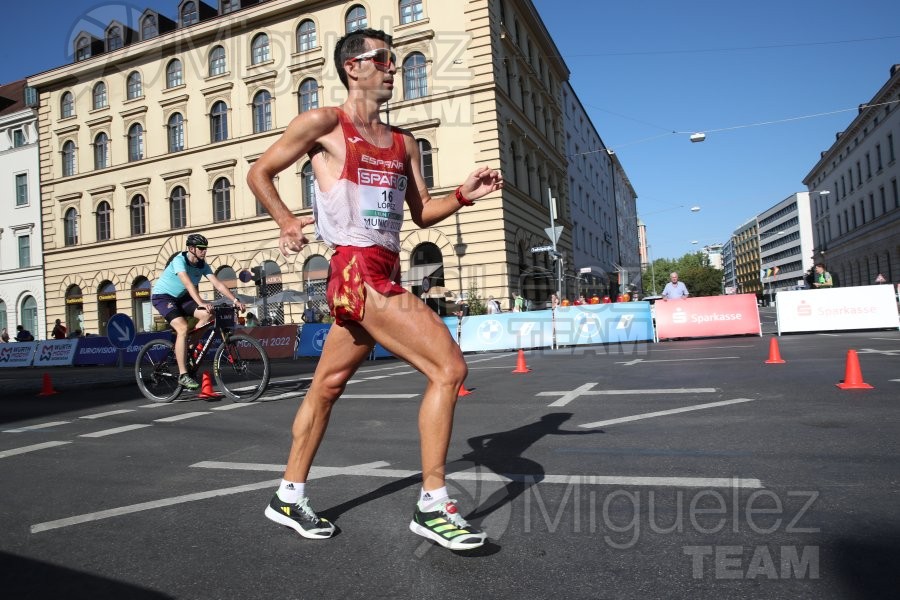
[
  {"x": 175, "y": 132},
  {"x": 4, "y": 322},
  {"x": 135, "y": 142},
  {"x": 67, "y": 106},
  {"x": 138, "y": 214},
  {"x": 315, "y": 283},
  {"x": 149, "y": 27},
  {"x": 70, "y": 227},
  {"x": 189, "y": 14},
  {"x": 410, "y": 11},
  {"x": 308, "y": 182},
  {"x": 135, "y": 88},
  {"x": 104, "y": 231},
  {"x": 426, "y": 165},
  {"x": 114, "y": 39},
  {"x": 141, "y": 307},
  {"x": 218, "y": 122},
  {"x": 174, "y": 74},
  {"x": 415, "y": 80},
  {"x": 309, "y": 95},
  {"x": 178, "y": 208},
  {"x": 217, "y": 61},
  {"x": 306, "y": 35},
  {"x": 262, "y": 111},
  {"x": 221, "y": 200},
  {"x": 99, "y": 96},
  {"x": 68, "y": 159},
  {"x": 28, "y": 314},
  {"x": 101, "y": 151},
  {"x": 356, "y": 18},
  {"x": 259, "y": 49},
  {"x": 82, "y": 49},
  {"x": 227, "y": 276}
]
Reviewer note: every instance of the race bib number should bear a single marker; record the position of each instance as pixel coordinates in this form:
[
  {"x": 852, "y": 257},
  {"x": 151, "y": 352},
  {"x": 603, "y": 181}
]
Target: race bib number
[{"x": 381, "y": 198}]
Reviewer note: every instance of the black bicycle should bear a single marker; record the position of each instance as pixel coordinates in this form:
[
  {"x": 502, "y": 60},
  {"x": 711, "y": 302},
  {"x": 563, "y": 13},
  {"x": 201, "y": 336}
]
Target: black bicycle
[{"x": 240, "y": 363}]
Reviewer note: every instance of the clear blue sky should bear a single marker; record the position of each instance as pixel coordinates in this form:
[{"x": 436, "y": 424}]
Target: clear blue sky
[{"x": 644, "y": 69}]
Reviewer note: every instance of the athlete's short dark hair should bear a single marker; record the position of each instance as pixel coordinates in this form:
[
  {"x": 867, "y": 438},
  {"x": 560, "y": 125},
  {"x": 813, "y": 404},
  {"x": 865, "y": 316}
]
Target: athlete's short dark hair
[{"x": 354, "y": 44}]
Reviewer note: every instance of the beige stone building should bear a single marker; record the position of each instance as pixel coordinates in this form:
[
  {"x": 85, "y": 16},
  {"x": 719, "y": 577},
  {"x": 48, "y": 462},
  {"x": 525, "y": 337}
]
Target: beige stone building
[{"x": 147, "y": 136}]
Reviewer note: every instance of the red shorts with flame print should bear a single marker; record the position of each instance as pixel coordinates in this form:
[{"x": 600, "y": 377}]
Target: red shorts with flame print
[{"x": 350, "y": 270}]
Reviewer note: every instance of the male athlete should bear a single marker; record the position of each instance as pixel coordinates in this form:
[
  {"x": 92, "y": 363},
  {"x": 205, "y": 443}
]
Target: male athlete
[
  {"x": 365, "y": 171},
  {"x": 175, "y": 297}
]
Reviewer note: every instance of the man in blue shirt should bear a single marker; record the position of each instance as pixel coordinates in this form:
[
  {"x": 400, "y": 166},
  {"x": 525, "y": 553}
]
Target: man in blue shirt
[
  {"x": 175, "y": 297},
  {"x": 674, "y": 290}
]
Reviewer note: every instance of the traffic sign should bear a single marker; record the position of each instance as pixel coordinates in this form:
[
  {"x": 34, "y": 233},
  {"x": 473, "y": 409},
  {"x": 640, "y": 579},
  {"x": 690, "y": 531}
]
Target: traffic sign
[
  {"x": 537, "y": 249},
  {"x": 120, "y": 330},
  {"x": 554, "y": 232}
]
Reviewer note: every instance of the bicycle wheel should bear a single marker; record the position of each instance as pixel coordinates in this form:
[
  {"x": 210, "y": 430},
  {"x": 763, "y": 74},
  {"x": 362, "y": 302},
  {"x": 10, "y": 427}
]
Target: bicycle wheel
[
  {"x": 156, "y": 371},
  {"x": 241, "y": 367}
]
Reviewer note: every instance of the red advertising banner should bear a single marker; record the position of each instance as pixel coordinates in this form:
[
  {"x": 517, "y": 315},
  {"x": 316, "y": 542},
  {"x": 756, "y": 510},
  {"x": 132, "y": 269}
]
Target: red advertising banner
[
  {"x": 278, "y": 340},
  {"x": 711, "y": 316}
]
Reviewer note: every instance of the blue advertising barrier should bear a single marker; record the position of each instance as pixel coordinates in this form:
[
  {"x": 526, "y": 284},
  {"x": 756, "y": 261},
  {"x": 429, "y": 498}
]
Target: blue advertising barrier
[
  {"x": 507, "y": 331},
  {"x": 140, "y": 339},
  {"x": 312, "y": 339},
  {"x": 95, "y": 350},
  {"x": 603, "y": 323}
]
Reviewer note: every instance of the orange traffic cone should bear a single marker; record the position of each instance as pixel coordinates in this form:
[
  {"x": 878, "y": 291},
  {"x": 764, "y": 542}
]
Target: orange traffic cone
[
  {"x": 521, "y": 367},
  {"x": 206, "y": 388},
  {"x": 774, "y": 353},
  {"x": 47, "y": 388},
  {"x": 853, "y": 375},
  {"x": 463, "y": 391}
]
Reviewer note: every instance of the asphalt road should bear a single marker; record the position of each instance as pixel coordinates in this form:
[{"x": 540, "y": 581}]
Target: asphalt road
[{"x": 686, "y": 469}]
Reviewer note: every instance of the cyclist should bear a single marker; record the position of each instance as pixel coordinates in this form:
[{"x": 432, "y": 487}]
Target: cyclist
[{"x": 175, "y": 297}]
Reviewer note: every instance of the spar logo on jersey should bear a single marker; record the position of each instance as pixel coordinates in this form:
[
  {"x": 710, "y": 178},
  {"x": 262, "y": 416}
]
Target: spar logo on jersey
[{"x": 382, "y": 179}]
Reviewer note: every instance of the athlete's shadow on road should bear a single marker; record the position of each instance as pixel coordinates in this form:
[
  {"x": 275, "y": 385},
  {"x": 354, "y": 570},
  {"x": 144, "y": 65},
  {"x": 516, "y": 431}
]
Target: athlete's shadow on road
[{"x": 501, "y": 453}]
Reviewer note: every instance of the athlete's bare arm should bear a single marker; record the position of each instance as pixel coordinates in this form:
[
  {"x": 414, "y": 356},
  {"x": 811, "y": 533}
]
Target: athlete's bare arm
[{"x": 426, "y": 211}]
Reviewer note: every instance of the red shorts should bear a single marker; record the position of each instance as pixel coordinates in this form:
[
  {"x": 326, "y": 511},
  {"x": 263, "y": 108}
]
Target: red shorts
[{"x": 350, "y": 270}]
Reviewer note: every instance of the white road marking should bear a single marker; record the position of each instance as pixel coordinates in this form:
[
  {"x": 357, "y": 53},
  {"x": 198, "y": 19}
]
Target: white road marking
[
  {"x": 662, "y": 413},
  {"x": 873, "y": 351},
  {"x": 37, "y": 427},
  {"x": 181, "y": 417},
  {"x": 107, "y": 414},
  {"x": 116, "y": 430},
  {"x": 655, "y": 349},
  {"x": 32, "y": 448},
  {"x": 154, "y": 405},
  {"x": 642, "y": 361},
  {"x": 379, "y": 396},
  {"x": 234, "y": 405},
  {"x": 164, "y": 502},
  {"x": 585, "y": 390},
  {"x": 377, "y": 377}
]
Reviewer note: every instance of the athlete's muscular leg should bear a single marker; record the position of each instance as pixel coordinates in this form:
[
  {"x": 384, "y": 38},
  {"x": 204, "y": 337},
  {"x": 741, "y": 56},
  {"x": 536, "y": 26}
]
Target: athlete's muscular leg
[
  {"x": 344, "y": 350},
  {"x": 413, "y": 332}
]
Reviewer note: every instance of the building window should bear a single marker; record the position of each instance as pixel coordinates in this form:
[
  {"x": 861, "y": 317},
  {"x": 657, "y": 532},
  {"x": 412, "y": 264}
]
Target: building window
[
  {"x": 83, "y": 49},
  {"x": 149, "y": 28},
  {"x": 218, "y": 121},
  {"x": 68, "y": 159},
  {"x": 67, "y": 106},
  {"x": 189, "y": 14},
  {"x": 259, "y": 49},
  {"x": 221, "y": 200},
  {"x": 262, "y": 111},
  {"x": 101, "y": 151},
  {"x": 135, "y": 86},
  {"x": 19, "y": 138},
  {"x": 3, "y": 319},
  {"x": 308, "y": 182},
  {"x": 427, "y": 164},
  {"x": 217, "y": 61},
  {"x": 306, "y": 36},
  {"x": 70, "y": 227},
  {"x": 415, "y": 82},
  {"x": 114, "y": 39},
  {"x": 890, "y": 141},
  {"x": 174, "y": 74},
  {"x": 878, "y": 158},
  {"x": 99, "y": 96},
  {"x": 135, "y": 142},
  {"x": 104, "y": 221},
  {"x": 21, "y": 189},
  {"x": 24, "y": 251},
  {"x": 356, "y": 18},
  {"x": 138, "y": 212},
  {"x": 309, "y": 95},
  {"x": 410, "y": 11},
  {"x": 175, "y": 132},
  {"x": 28, "y": 318},
  {"x": 229, "y": 6},
  {"x": 178, "y": 208}
]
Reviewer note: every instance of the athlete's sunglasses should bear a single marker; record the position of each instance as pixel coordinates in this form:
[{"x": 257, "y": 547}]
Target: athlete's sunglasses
[{"x": 381, "y": 57}]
